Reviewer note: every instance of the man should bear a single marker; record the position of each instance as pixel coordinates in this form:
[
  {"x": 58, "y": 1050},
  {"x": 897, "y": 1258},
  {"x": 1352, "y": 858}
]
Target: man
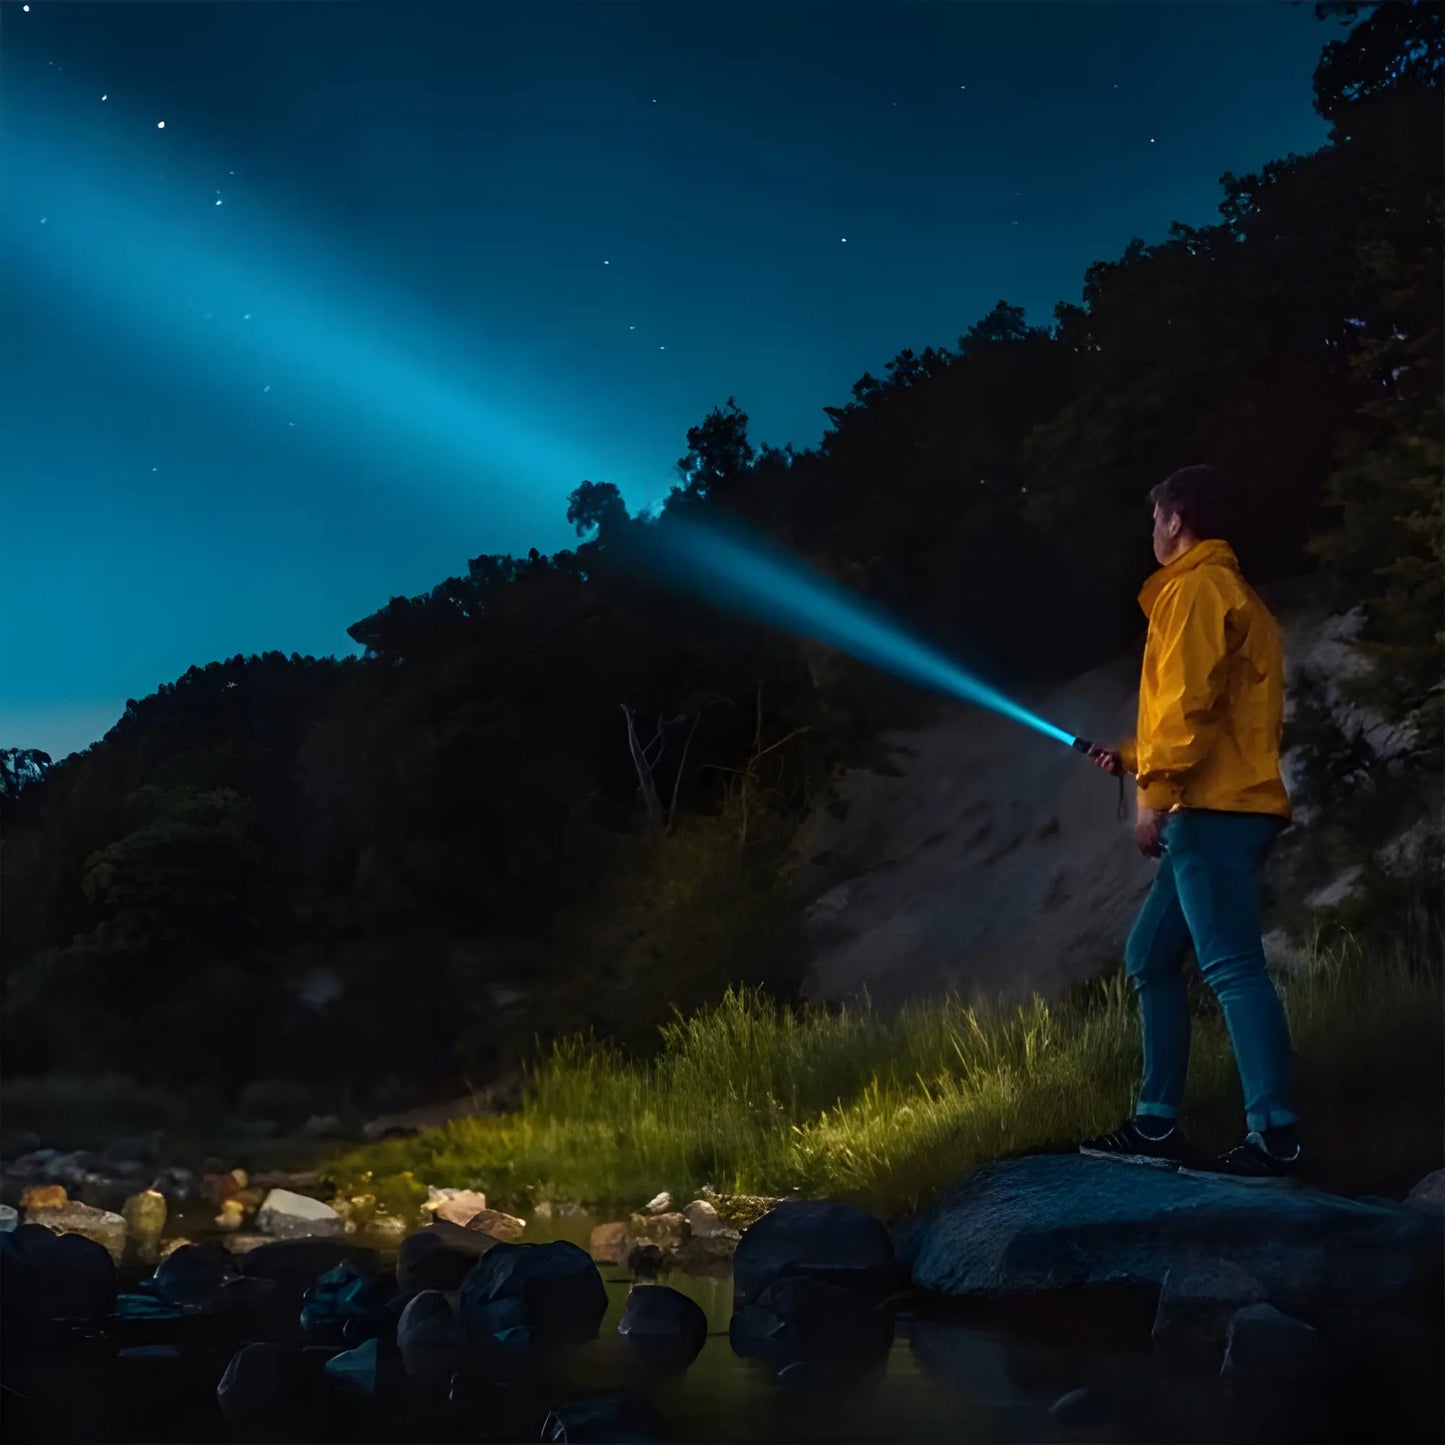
[{"x": 1210, "y": 804}]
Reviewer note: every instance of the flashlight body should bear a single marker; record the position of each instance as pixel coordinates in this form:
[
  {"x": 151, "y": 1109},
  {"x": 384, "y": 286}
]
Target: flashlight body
[{"x": 1082, "y": 745}]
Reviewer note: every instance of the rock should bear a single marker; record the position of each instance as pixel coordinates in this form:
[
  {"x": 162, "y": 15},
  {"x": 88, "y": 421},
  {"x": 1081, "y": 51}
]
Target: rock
[
  {"x": 44, "y": 1196},
  {"x": 145, "y": 1220},
  {"x": 557, "y": 1283},
  {"x": 342, "y": 1299},
  {"x": 738, "y": 1211},
  {"x": 605, "y": 1419},
  {"x": 285, "y": 1215},
  {"x": 372, "y": 1368},
  {"x": 321, "y": 1126},
  {"x": 505, "y": 1227},
  {"x": 1428, "y": 1196},
  {"x": 270, "y": 1392},
  {"x": 454, "y": 1205},
  {"x": 1265, "y": 1342},
  {"x": 430, "y": 1341},
  {"x": 176, "y": 1183},
  {"x": 1049, "y": 1222},
  {"x": 223, "y": 1185},
  {"x": 71, "y": 1169},
  {"x": 645, "y": 1258},
  {"x": 194, "y": 1275},
  {"x": 666, "y": 1231},
  {"x": 1084, "y": 1407},
  {"x": 8, "y": 1219},
  {"x": 663, "y": 1325},
  {"x": 610, "y": 1242},
  {"x": 1197, "y": 1302},
  {"x": 821, "y": 1240},
  {"x": 297, "y": 1263},
  {"x": 660, "y": 1203},
  {"x": 244, "y": 1243},
  {"x": 709, "y": 1251},
  {"x": 147, "y": 1308},
  {"x": 431, "y": 1259},
  {"x": 45, "y": 1276},
  {"x": 170, "y": 1246},
  {"x": 386, "y": 1231},
  {"x": 103, "y": 1227},
  {"x": 703, "y": 1220},
  {"x": 231, "y": 1217}
]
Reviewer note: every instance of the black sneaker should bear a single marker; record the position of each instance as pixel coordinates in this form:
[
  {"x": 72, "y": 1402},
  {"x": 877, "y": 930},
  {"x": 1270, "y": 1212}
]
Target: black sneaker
[
  {"x": 1130, "y": 1145},
  {"x": 1253, "y": 1163}
]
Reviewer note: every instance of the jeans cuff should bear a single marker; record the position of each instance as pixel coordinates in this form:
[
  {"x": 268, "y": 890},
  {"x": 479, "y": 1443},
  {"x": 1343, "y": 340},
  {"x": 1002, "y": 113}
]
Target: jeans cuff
[
  {"x": 1270, "y": 1119},
  {"x": 1156, "y": 1111}
]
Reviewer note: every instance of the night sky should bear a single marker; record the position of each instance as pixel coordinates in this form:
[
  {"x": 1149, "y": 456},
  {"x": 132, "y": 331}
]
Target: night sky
[{"x": 389, "y": 281}]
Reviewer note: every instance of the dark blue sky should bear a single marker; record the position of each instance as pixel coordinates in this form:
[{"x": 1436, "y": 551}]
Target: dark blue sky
[{"x": 469, "y": 254}]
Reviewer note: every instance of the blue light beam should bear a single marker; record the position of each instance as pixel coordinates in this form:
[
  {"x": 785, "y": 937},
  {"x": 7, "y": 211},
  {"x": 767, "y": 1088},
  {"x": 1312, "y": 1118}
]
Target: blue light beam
[{"x": 760, "y": 580}]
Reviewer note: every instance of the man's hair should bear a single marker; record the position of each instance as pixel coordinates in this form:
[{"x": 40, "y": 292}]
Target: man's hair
[{"x": 1197, "y": 496}]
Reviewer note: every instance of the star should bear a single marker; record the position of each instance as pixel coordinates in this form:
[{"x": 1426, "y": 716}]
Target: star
[
  {"x": 1151, "y": 140},
  {"x": 218, "y": 200},
  {"x": 632, "y": 328},
  {"x": 44, "y": 219},
  {"x": 607, "y": 263},
  {"x": 106, "y": 96},
  {"x": 246, "y": 317},
  {"x": 843, "y": 240},
  {"x": 160, "y": 125},
  {"x": 267, "y": 387}
]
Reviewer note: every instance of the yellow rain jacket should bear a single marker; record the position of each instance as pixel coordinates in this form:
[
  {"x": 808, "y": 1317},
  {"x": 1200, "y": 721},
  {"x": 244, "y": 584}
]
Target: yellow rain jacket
[{"x": 1211, "y": 696}]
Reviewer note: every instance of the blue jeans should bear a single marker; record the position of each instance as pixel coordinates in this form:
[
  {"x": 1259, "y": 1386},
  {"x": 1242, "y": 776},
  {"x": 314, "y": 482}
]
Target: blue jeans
[{"x": 1207, "y": 892}]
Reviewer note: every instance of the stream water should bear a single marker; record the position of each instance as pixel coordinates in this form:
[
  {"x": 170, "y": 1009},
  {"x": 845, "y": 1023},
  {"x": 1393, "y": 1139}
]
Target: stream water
[{"x": 974, "y": 1375}]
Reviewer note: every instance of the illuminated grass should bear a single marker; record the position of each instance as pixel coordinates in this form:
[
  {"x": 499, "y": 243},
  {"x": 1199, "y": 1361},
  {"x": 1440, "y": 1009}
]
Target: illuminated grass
[{"x": 886, "y": 1111}]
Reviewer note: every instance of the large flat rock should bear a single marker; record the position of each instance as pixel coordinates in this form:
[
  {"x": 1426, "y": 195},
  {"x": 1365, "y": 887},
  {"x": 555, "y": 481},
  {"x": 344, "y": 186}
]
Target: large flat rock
[{"x": 1052, "y": 1222}]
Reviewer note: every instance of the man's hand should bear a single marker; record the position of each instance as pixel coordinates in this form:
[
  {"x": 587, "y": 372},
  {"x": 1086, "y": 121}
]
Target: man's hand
[
  {"x": 1106, "y": 758},
  {"x": 1148, "y": 826}
]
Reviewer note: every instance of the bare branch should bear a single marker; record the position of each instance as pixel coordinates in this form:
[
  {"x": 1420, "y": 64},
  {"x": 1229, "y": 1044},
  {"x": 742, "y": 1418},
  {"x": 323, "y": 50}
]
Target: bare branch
[
  {"x": 644, "y": 773},
  {"x": 681, "y": 769}
]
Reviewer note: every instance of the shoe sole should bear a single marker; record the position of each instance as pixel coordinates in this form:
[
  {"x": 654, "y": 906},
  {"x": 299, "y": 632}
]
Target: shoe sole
[
  {"x": 1146, "y": 1159},
  {"x": 1267, "y": 1181}
]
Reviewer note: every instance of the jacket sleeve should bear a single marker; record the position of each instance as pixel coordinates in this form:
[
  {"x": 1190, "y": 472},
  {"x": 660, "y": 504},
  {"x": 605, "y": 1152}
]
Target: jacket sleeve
[
  {"x": 1190, "y": 643},
  {"x": 1128, "y": 751}
]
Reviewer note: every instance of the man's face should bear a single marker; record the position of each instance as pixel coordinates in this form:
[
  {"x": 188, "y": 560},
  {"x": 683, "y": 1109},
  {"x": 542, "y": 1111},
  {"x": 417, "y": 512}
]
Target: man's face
[{"x": 1166, "y": 534}]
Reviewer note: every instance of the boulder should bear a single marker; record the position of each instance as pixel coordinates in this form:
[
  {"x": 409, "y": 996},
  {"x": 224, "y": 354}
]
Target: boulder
[
  {"x": 667, "y": 1231},
  {"x": 244, "y": 1243},
  {"x": 221, "y": 1185},
  {"x": 346, "y": 1304},
  {"x": 1428, "y": 1196},
  {"x": 297, "y": 1263},
  {"x": 194, "y": 1275},
  {"x": 504, "y": 1227},
  {"x": 430, "y": 1342},
  {"x": 456, "y": 1206},
  {"x": 145, "y": 1221},
  {"x": 373, "y": 1368},
  {"x": 285, "y": 1215},
  {"x": 664, "y": 1326},
  {"x": 1082, "y": 1408},
  {"x": 1049, "y": 1222},
  {"x": 105, "y": 1228},
  {"x": 1197, "y": 1302},
  {"x": 557, "y": 1284},
  {"x": 175, "y": 1242},
  {"x": 46, "y": 1276},
  {"x": 270, "y": 1392},
  {"x": 610, "y": 1242},
  {"x": 703, "y": 1221},
  {"x": 8, "y": 1218},
  {"x": 231, "y": 1217},
  {"x": 176, "y": 1184},
  {"x": 434, "y": 1258},
  {"x": 819, "y": 1239},
  {"x": 18, "y": 1144},
  {"x": 1265, "y": 1342},
  {"x": 660, "y": 1203},
  {"x": 644, "y": 1258},
  {"x": 44, "y": 1196}
]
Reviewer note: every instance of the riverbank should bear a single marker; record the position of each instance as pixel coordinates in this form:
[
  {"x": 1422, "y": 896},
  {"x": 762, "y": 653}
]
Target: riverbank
[{"x": 885, "y": 1111}]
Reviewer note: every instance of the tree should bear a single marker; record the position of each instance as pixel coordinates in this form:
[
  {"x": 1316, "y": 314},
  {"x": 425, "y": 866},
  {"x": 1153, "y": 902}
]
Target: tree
[
  {"x": 1392, "y": 44},
  {"x": 719, "y": 454},
  {"x": 597, "y": 508},
  {"x": 19, "y": 768}
]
